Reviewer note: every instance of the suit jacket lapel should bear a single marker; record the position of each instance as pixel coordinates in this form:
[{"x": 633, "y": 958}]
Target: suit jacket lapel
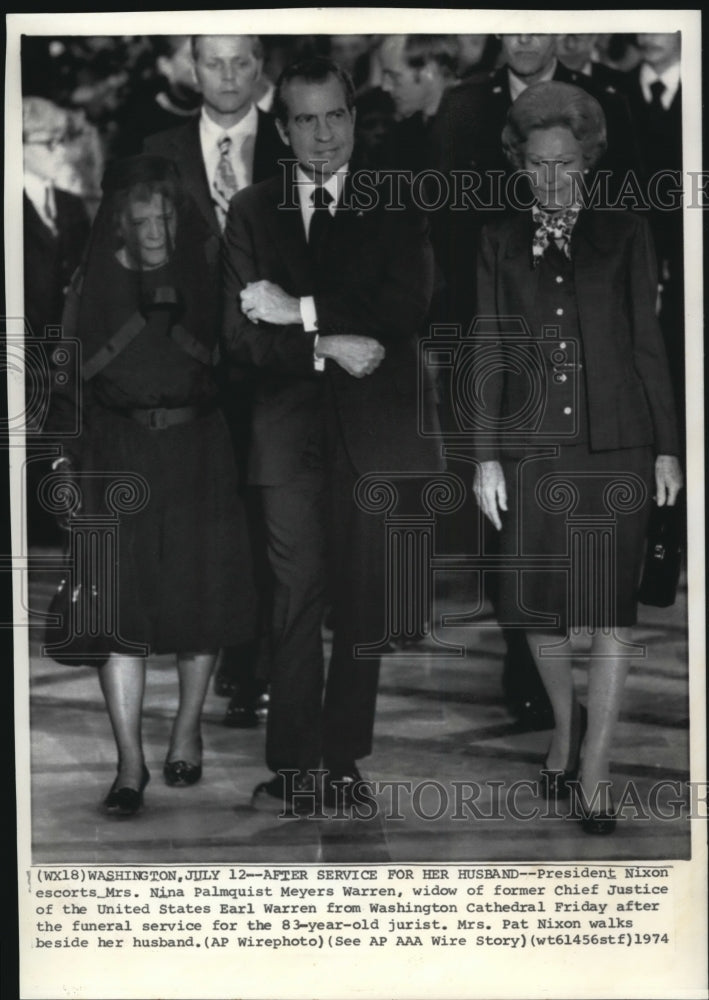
[
  {"x": 189, "y": 156},
  {"x": 268, "y": 148},
  {"x": 285, "y": 230},
  {"x": 518, "y": 252},
  {"x": 35, "y": 224}
]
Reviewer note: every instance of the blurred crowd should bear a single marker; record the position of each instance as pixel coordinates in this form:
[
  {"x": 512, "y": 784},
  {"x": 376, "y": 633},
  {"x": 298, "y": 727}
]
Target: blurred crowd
[
  {"x": 118, "y": 89},
  {"x": 425, "y": 104}
]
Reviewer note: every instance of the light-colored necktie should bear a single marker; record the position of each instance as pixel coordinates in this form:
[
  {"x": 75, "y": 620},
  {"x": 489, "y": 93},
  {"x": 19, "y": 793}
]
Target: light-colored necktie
[
  {"x": 50, "y": 208},
  {"x": 225, "y": 184}
]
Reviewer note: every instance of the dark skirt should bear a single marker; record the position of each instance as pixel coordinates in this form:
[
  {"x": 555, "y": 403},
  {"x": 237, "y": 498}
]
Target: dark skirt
[
  {"x": 183, "y": 574},
  {"x": 573, "y": 538}
]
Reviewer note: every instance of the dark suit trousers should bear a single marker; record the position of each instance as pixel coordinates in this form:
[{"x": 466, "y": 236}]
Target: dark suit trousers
[{"x": 322, "y": 548}]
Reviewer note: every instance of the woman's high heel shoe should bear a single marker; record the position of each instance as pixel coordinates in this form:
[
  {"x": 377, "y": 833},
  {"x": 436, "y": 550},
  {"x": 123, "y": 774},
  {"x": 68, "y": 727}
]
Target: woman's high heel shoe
[
  {"x": 126, "y": 801},
  {"x": 180, "y": 773},
  {"x": 556, "y": 785},
  {"x": 599, "y": 823}
]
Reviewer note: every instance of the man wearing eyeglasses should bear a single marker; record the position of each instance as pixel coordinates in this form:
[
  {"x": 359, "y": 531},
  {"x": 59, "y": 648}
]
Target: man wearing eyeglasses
[
  {"x": 56, "y": 225},
  {"x": 325, "y": 296},
  {"x": 55, "y": 232}
]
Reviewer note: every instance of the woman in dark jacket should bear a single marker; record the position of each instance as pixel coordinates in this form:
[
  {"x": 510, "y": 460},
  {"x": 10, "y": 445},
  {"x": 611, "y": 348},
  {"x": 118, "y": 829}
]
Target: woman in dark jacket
[
  {"x": 145, "y": 310},
  {"x": 576, "y": 430}
]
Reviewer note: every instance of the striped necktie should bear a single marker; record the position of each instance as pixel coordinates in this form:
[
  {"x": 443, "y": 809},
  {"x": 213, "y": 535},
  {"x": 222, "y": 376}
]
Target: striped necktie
[{"x": 225, "y": 185}]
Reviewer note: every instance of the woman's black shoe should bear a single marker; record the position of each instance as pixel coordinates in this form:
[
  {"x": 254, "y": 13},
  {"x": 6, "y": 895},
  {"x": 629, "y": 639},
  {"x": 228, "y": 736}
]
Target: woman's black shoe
[
  {"x": 180, "y": 773},
  {"x": 126, "y": 801},
  {"x": 556, "y": 785},
  {"x": 599, "y": 824}
]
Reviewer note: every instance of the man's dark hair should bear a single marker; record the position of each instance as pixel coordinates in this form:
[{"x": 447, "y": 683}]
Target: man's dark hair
[
  {"x": 256, "y": 45},
  {"x": 315, "y": 70},
  {"x": 166, "y": 46}
]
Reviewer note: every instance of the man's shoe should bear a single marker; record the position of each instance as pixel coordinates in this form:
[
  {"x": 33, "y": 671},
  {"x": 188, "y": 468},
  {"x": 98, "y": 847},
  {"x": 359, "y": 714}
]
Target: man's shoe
[
  {"x": 224, "y": 684},
  {"x": 296, "y": 791},
  {"x": 240, "y": 715},
  {"x": 345, "y": 788}
]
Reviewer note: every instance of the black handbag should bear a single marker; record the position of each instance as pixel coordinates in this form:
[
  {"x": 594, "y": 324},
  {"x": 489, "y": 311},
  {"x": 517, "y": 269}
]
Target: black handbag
[
  {"x": 663, "y": 558},
  {"x": 76, "y": 640}
]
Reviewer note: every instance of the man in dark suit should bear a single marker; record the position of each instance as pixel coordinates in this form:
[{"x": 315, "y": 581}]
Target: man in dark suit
[
  {"x": 232, "y": 143},
  {"x": 55, "y": 232},
  {"x": 56, "y": 226},
  {"x": 577, "y": 53},
  {"x": 326, "y": 299},
  {"x": 655, "y": 96},
  {"x": 472, "y": 115},
  {"x": 229, "y": 146}
]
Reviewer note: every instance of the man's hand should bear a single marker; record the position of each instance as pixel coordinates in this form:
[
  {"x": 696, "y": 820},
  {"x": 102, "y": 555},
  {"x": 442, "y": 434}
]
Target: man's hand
[
  {"x": 358, "y": 356},
  {"x": 490, "y": 491},
  {"x": 668, "y": 480},
  {"x": 266, "y": 301}
]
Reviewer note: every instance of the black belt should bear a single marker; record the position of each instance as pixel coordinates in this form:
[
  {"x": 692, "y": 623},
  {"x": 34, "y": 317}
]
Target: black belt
[{"x": 159, "y": 418}]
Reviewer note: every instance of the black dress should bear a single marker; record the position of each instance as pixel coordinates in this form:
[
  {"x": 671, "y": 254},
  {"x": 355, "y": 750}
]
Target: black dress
[
  {"x": 183, "y": 563},
  {"x": 573, "y": 536}
]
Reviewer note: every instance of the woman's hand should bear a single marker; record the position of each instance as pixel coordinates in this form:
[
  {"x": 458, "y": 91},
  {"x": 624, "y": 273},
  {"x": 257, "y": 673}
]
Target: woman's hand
[
  {"x": 490, "y": 492},
  {"x": 668, "y": 480}
]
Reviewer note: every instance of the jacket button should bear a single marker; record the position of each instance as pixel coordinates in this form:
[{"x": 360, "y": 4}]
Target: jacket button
[
  {"x": 567, "y": 410},
  {"x": 559, "y": 279},
  {"x": 559, "y": 312}
]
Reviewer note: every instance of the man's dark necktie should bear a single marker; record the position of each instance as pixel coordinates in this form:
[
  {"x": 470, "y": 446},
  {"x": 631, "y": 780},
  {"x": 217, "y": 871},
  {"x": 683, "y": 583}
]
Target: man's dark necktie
[
  {"x": 321, "y": 218},
  {"x": 657, "y": 89}
]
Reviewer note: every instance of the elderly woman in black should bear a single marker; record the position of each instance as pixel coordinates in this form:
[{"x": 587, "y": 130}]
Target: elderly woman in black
[
  {"x": 577, "y": 430},
  {"x": 145, "y": 310}
]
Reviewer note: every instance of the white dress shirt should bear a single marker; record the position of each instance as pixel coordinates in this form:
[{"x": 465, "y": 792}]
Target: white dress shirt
[
  {"x": 243, "y": 144},
  {"x": 670, "y": 77},
  {"x": 41, "y": 193}
]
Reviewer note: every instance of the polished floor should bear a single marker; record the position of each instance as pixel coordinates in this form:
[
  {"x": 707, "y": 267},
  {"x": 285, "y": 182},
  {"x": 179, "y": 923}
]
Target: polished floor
[{"x": 443, "y": 738}]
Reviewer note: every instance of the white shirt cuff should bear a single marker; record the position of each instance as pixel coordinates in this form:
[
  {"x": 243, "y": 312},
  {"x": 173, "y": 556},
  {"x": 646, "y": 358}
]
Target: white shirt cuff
[
  {"x": 308, "y": 313},
  {"x": 318, "y": 363},
  {"x": 309, "y": 317}
]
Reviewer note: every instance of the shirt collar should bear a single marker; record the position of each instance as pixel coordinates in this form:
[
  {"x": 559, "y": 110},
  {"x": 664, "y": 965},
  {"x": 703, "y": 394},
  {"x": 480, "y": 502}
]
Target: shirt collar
[
  {"x": 213, "y": 132},
  {"x": 518, "y": 85},
  {"x": 334, "y": 184},
  {"x": 670, "y": 77},
  {"x": 36, "y": 188}
]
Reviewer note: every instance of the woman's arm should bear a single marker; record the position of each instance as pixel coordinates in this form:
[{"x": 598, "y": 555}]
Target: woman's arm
[{"x": 649, "y": 355}]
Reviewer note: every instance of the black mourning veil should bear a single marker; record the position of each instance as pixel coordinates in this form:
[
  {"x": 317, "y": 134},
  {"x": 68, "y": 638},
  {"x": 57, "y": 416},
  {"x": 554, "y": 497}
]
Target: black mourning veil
[{"x": 177, "y": 272}]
